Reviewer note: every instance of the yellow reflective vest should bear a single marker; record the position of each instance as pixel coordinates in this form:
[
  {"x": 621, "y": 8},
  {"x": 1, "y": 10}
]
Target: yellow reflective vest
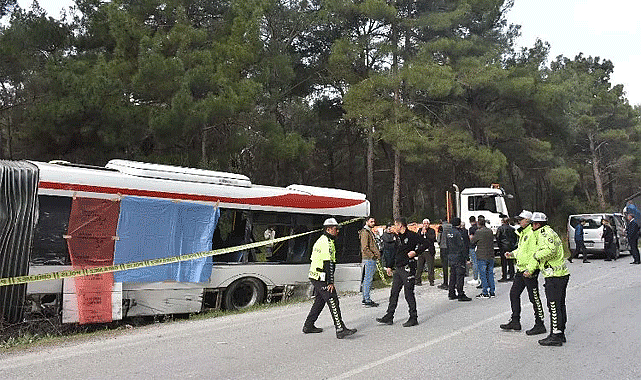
[
  {"x": 524, "y": 253},
  {"x": 323, "y": 250},
  {"x": 549, "y": 253}
]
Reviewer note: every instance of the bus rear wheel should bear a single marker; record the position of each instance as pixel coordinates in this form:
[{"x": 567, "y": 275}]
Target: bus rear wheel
[{"x": 244, "y": 293}]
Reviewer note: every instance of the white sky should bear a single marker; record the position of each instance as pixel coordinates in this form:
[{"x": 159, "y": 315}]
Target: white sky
[{"x": 610, "y": 30}]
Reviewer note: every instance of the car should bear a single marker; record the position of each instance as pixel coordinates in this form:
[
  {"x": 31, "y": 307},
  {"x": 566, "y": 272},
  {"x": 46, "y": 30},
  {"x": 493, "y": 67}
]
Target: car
[{"x": 593, "y": 230}]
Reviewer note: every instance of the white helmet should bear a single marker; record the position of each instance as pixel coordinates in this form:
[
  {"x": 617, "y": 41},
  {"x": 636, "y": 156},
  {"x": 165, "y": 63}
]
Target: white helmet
[
  {"x": 539, "y": 217},
  {"x": 330, "y": 222},
  {"x": 525, "y": 214}
]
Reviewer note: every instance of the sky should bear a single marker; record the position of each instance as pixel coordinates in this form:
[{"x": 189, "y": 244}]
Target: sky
[{"x": 609, "y": 30}]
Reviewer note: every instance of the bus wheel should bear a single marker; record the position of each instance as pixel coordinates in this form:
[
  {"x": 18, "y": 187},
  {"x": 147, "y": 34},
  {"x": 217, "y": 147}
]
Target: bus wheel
[{"x": 244, "y": 293}]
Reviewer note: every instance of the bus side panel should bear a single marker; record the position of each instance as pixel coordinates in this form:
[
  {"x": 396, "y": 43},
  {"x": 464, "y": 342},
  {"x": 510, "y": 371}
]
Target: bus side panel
[{"x": 18, "y": 214}]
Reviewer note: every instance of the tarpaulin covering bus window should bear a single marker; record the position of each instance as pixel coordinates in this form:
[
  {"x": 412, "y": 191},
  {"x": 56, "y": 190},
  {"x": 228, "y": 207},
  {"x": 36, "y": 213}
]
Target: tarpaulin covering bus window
[
  {"x": 154, "y": 228},
  {"x": 90, "y": 238},
  {"x": 18, "y": 215}
]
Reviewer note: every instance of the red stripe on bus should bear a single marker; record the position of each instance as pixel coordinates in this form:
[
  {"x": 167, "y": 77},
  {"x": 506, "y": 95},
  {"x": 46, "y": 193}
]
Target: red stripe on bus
[{"x": 287, "y": 200}]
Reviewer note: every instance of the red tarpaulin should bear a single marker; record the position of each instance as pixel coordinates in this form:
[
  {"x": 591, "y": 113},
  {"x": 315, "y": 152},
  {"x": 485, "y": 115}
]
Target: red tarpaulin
[{"x": 90, "y": 237}]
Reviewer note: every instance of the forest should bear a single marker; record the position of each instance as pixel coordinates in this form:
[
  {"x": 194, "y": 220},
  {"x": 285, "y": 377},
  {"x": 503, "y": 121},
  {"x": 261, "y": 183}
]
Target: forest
[{"x": 396, "y": 99}]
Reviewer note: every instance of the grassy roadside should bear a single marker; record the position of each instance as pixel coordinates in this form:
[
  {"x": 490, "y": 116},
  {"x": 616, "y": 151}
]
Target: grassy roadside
[{"x": 49, "y": 332}]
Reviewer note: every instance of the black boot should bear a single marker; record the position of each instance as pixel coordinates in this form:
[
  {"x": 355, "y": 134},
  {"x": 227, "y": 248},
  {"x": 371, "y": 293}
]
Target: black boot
[
  {"x": 552, "y": 340},
  {"x": 513, "y": 324},
  {"x": 312, "y": 329},
  {"x": 410, "y": 322},
  {"x": 344, "y": 331},
  {"x": 539, "y": 328},
  {"x": 386, "y": 320}
]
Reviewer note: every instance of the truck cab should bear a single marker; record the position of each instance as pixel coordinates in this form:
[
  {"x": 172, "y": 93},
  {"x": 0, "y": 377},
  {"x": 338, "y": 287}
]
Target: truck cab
[{"x": 486, "y": 201}]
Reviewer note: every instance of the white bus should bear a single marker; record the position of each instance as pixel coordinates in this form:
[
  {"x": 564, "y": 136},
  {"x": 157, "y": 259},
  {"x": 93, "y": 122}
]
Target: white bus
[{"x": 247, "y": 213}]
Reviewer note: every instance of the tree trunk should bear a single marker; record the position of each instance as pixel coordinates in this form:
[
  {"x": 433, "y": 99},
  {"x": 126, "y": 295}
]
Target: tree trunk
[
  {"x": 396, "y": 195},
  {"x": 598, "y": 181},
  {"x": 515, "y": 186},
  {"x": 204, "y": 159},
  {"x": 370, "y": 165}
]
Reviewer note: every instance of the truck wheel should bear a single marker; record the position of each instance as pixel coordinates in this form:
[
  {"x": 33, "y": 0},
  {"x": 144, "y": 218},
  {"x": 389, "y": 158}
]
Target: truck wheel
[{"x": 244, "y": 293}]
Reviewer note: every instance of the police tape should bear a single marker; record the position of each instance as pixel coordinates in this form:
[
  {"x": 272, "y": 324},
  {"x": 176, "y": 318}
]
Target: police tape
[
  {"x": 149, "y": 263},
  {"x": 381, "y": 272}
]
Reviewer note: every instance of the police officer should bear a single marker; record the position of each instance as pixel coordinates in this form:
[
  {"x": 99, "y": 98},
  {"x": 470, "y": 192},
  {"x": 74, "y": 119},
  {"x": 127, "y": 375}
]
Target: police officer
[
  {"x": 403, "y": 272},
  {"x": 321, "y": 274},
  {"x": 549, "y": 253},
  {"x": 525, "y": 262}
]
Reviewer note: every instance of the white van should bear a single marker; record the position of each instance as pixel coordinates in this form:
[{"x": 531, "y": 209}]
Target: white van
[{"x": 593, "y": 230}]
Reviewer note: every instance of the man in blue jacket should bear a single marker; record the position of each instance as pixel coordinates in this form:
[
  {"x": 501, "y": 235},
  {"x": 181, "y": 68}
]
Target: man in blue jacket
[{"x": 578, "y": 240}]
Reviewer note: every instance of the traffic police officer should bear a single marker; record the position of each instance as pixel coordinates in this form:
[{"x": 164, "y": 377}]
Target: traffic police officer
[
  {"x": 549, "y": 253},
  {"x": 321, "y": 274},
  {"x": 525, "y": 262}
]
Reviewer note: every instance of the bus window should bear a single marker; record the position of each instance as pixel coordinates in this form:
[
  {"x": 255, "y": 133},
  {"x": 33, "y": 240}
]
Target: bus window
[{"x": 49, "y": 246}]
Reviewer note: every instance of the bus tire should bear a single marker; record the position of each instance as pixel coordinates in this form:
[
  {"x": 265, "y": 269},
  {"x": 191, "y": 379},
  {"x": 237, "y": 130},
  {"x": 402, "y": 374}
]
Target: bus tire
[{"x": 243, "y": 293}]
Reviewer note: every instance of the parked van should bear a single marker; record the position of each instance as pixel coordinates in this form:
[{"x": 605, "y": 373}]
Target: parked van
[{"x": 593, "y": 230}]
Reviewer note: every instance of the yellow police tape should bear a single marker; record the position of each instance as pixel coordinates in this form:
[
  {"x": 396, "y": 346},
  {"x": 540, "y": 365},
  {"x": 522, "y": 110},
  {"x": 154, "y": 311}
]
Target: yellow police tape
[
  {"x": 149, "y": 263},
  {"x": 381, "y": 272}
]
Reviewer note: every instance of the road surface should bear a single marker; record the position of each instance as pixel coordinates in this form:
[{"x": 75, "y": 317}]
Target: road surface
[{"x": 454, "y": 340}]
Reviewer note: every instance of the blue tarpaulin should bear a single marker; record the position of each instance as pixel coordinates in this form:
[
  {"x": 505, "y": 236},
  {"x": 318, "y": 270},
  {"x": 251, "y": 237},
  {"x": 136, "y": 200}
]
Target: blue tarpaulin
[{"x": 155, "y": 228}]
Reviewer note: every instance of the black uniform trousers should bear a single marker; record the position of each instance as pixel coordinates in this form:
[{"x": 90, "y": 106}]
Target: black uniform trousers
[
  {"x": 555, "y": 292},
  {"x": 444, "y": 265},
  {"x": 532, "y": 284},
  {"x": 425, "y": 258},
  {"x": 457, "y": 277},
  {"x": 322, "y": 297},
  {"x": 403, "y": 278}
]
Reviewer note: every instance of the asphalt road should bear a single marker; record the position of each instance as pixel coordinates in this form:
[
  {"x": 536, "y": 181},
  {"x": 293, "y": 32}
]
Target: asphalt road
[{"x": 454, "y": 340}]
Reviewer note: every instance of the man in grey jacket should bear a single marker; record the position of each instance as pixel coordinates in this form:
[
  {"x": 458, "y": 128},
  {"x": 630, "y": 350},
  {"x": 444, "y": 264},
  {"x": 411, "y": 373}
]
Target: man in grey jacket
[
  {"x": 442, "y": 245},
  {"x": 484, "y": 241}
]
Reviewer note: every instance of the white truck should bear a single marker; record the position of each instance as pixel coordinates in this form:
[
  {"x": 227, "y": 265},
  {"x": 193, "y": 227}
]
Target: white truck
[{"x": 476, "y": 201}]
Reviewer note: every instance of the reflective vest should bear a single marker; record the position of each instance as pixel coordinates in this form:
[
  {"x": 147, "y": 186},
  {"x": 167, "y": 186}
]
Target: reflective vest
[
  {"x": 549, "y": 253},
  {"x": 323, "y": 250},
  {"x": 524, "y": 253}
]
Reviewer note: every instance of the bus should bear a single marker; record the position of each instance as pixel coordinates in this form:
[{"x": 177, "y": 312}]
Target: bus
[{"x": 58, "y": 216}]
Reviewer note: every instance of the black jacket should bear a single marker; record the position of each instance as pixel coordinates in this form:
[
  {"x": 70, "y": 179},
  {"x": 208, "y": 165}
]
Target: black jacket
[
  {"x": 608, "y": 235},
  {"x": 390, "y": 242},
  {"x": 409, "y": 241},
  {"x": 427, "y": 240},
  {"x": 506, "y": 238},
  {"x": 457, "y": 251},
  {"x": 633, "y": 232}
]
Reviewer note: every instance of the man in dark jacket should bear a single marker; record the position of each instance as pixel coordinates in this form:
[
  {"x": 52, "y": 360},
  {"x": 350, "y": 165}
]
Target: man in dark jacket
[
  {"x": 457, "y": 256},
  {"x": 609, "y": 246},
  {"x": 484, "y": 241},
  {"x": 506, "y": 239},
  {"x": 389, "y": 246},
  {"x": 578, "y": 241},
  {"x": 403, "y": 272},
  {"x": 633, "y": 237},
  {"x": 442, "y": 245},
  {"x": 426, "y": 253}
]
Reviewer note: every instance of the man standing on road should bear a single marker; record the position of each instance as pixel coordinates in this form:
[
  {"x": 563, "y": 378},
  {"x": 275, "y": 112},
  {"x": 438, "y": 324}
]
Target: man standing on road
[
  {"x": 403, "y": 272},
  {"x": 442, "y": 245},
  {"x": 579, "y": 242},
  {"x": 321, "y": 274},
  {"x": 428, "y": 237},
  {"x": 550, "y": 256},
  {"x": 473, "y": 258},
  {"x": 483, "y": 240},
  {"x": 609, "y": 246},
  {"x": 370, "y": 253},
  {"x": 524, "y": 255},
  {"x": 633, "y": 237},
  {"x": 457, "y": 256},
  {"x": 506, "y": 239}
]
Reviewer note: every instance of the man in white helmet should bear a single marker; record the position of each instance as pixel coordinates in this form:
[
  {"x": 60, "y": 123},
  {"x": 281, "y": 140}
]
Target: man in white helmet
[
  {"x": 524, "y": 255},
  {"x": 321, "y": 274},
  {"x": 550, "y": 257}
]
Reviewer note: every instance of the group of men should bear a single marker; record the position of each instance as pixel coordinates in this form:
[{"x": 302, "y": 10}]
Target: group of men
[{"x": 539, "y": 250}]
